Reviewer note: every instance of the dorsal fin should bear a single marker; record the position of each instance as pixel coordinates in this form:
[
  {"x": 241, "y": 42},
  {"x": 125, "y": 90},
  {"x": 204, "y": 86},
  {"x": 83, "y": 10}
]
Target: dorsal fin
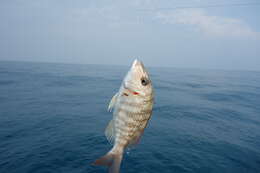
[{"x": 112, "y": 102}]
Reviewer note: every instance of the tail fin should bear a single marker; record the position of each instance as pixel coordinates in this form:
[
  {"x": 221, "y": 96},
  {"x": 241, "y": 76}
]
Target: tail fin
[{"x": 112, "y": 160}]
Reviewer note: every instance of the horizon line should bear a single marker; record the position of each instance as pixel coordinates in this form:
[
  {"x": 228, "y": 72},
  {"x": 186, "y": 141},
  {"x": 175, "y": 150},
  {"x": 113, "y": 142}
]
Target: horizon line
[{"x": 125, "y": 65}]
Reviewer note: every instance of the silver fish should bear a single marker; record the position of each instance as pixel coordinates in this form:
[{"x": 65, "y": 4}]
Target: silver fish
[{"x": 132, "y": 109}]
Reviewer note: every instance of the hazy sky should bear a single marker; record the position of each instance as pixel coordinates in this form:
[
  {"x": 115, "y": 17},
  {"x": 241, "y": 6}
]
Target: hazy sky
[{"x": 117, "y": 31}]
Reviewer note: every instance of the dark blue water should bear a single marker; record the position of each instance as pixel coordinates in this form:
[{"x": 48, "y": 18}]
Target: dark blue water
[{"x": 52, "y": 118}]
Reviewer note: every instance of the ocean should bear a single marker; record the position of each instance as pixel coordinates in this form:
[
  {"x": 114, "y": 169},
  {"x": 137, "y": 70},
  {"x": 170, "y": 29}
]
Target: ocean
[{"x": 53, "y": 116}]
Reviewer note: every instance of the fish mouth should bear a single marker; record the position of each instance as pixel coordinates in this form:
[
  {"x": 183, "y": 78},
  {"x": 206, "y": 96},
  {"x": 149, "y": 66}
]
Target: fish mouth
[
  {"x": 137, "y": 64},
  {"x": 138, "y": 68}
]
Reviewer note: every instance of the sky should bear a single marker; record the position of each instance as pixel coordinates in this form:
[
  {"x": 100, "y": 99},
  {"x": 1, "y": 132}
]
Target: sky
[{"x": 211, "y": 34}]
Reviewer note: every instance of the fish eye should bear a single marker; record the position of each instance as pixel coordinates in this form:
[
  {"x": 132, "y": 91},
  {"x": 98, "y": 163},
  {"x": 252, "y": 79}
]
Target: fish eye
[{"x": 144, "y": 81}]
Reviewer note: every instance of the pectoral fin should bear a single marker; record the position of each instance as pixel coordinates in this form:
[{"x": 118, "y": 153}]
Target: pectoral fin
[{"x": 112, "y": 102}]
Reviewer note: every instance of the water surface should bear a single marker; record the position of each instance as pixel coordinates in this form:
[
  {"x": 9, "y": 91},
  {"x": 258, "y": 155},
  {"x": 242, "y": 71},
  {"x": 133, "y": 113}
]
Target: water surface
[{"x": 53, "y": 116}]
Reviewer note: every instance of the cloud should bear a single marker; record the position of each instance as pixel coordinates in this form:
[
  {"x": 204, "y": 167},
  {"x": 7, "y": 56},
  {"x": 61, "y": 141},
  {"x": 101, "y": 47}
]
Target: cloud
[
  {"x": 111, "y": 16},
  {"x": 215, "y": 26}
]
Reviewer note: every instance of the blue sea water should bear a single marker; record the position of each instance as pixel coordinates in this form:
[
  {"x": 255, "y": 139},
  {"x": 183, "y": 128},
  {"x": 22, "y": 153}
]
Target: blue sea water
[{"x": 53, "y": 116}]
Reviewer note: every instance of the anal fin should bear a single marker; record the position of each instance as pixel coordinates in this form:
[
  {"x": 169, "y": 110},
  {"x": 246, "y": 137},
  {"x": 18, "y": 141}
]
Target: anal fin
[
  {"x": 110, "y": 132},
  {"x": 136, "y": 138}
]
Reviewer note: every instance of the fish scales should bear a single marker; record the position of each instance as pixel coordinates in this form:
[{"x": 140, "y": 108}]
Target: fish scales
[
  {"x": 132, "y": 110},
  {"x": 130, "y": 119}
]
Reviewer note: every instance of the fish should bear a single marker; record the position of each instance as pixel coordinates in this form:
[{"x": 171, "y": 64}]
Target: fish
[{"x": 132, "y": 108}]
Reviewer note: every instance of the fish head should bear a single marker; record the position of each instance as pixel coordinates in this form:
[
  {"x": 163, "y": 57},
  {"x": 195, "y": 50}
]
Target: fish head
[{"x": 138, "y": 79}]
